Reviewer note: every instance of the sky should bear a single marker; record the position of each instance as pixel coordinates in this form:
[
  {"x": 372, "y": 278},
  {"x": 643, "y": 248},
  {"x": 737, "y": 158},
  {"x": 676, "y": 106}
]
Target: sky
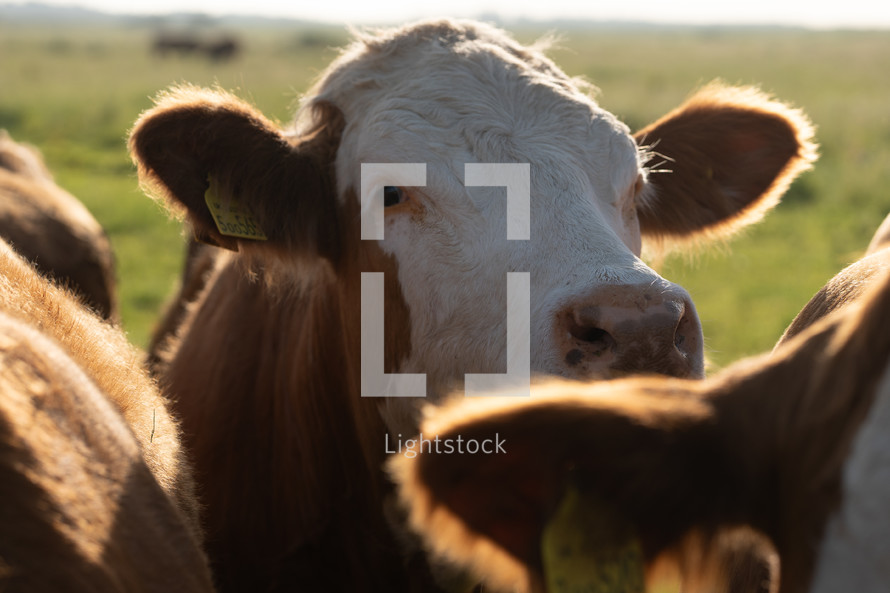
[{"x": 829, "y": 14}]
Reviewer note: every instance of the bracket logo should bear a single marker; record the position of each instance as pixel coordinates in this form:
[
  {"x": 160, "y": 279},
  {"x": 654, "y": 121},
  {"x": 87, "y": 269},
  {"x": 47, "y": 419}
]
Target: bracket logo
[{"x": 377, "y": 383}]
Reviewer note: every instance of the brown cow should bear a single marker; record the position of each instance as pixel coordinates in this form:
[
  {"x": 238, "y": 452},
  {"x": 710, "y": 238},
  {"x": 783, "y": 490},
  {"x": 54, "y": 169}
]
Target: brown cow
[
  {"x": 794, "y": 445},
  {"x": 95, "y": 492},
  {"x": 222, "y": 49},
  {"x": 166, "y": 43},
  {"x": 52, "y": 229},
  {"x": 406, "y": 135}
]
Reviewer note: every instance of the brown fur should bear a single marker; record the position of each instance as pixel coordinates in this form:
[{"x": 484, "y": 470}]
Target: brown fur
[
  {"x": 96, "y": 494},
  {"x": 265, "y": 365},
  {"x": 737, "y": 148},
  {"x": 199, "y": 262},
  {"x": 317, "y": 500},
  {"x": 845, "y": 288},
  {"x": 319, "y": 486},
  {"x": 761, "y": 445},
  {"x": 52, "y": 229}
]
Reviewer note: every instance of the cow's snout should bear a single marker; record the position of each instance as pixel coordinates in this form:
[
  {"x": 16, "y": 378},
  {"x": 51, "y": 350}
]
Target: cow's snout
[{"x": 621, "y": 330}]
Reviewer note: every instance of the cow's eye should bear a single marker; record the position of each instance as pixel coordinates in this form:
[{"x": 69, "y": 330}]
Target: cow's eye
[{"x": 392, "y": 195}]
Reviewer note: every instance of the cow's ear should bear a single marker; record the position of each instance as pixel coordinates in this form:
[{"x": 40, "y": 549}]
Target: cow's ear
[
  {"x": 482, "y": 512},
  {"x": 720, "y": 161},
  {"x": 487, "y": 476},
  {"x": 240, "y": 181}
]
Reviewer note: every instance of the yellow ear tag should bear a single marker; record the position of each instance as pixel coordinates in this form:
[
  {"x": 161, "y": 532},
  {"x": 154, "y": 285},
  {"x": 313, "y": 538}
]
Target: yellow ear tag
[
  {"x": 587, "y": 548},
  {"x": 232, "y": 218}
]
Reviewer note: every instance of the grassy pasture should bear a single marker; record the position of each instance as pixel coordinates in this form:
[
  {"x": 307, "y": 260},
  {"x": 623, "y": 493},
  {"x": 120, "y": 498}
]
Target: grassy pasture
[{"x": 75, "y": 92}]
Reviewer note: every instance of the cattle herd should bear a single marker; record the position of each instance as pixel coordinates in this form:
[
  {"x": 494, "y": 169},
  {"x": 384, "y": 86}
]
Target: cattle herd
[
  {"x": 218, "y": 49},
  {"x": 248, "y": 450}
]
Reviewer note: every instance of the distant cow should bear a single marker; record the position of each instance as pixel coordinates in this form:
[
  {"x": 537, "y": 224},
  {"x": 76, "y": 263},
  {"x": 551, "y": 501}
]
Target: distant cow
[
  {"x": 95, "y": 492},
  {"x": 175, "y": 43},
  {"x": 267, "y": 366},
  {"x": 222, "y": 49},
  {"x": 52, "y": 229},
  {"x": 795, "y": 445},
  {"x": 219, "y": 49}
]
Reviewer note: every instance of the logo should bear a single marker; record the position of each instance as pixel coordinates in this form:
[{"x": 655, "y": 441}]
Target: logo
[{"x": 377, "y": 383}]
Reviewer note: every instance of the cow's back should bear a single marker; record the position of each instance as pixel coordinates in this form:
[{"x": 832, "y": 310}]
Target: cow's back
[
  {"x": 104, "y": 355},
  {"x": 80, "y": 509}
]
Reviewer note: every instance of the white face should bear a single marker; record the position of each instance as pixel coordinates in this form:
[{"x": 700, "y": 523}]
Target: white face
[{"x": 476, "y": 102}]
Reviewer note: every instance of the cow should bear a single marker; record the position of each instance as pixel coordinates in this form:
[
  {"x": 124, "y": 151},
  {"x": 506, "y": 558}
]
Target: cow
[
  {"x": 222, "y": 49},
  {"x": 266, "y": 368},
  {"x": 53, "y": 229},
  {"x": 847, "y": 286},
  {"x": 792, "y": 444},
  {"x": 218, "y": 49},
  {"x": 181, "y": 44},
  {"x": 96, "y": 494}
]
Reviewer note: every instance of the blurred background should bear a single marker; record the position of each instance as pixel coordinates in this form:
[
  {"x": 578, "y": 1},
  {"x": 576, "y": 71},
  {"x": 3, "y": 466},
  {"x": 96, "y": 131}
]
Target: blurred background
[{"x": 75, "y": 76}]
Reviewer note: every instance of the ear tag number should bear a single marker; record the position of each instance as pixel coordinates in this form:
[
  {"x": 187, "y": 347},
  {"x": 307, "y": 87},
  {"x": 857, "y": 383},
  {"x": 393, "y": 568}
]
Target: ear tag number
[
  {"x": 586, "y": 547},
  {"x": 232, "y": 218}
]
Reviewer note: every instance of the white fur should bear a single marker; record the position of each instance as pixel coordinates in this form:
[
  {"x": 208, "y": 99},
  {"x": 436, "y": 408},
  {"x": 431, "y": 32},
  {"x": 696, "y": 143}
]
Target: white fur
[{"x": 855, "y": 552}]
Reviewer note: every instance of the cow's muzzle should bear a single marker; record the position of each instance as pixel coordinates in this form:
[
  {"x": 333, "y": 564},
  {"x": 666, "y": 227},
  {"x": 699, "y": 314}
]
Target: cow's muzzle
[{"x": 621, "y": 330}]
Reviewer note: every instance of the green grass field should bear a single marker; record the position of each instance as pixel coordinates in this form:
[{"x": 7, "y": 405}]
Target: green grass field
[{"x": 75, "y": 93}]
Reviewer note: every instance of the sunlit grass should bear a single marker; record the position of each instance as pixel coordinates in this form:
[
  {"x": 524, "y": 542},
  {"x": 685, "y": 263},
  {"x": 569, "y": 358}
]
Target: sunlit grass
[{"x": 75, "y": 92}]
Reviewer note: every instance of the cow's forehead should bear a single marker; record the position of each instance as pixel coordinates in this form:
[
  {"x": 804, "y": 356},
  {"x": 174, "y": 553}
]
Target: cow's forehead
[
  {"x": 449, "y": 92},
  {"x": 445, "y": 69},
  {"x": 384, "y": 54}
]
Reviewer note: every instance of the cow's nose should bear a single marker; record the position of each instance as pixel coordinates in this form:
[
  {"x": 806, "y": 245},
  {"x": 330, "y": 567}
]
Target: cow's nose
[{"x": 632, "y": 329}]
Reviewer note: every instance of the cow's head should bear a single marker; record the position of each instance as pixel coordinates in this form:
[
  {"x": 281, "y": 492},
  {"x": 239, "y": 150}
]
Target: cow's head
[{"x": 451, "y": 94}]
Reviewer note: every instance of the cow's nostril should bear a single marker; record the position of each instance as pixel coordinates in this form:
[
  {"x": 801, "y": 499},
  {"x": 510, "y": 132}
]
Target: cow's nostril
[
  {"x": 680, "y": 331},
  {"x": 686, "y": 328},
  {"x": 598, "y": 340},
  {"x": 632, "y": 330}
]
